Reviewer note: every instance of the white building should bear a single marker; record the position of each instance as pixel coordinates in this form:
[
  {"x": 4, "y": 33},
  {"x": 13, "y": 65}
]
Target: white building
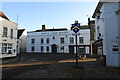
[
  {"x": 57, "y": 41},
  {"x": 21, "y": 41},
  {"x": 107, "y": 28},
  {"x": 8, "y": 37}
]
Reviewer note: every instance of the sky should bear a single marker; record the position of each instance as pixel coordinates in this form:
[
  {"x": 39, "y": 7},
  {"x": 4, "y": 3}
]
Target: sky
[{"x": 32, "y": 15}]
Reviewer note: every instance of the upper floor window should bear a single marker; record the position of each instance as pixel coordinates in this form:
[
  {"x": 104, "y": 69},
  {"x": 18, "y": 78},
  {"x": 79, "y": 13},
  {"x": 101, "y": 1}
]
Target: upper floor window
[
  {"x": 71, "y": 40},
  {"x": 42, "y": 41},
  {"x": 47, "y": 40},
  {"x": 11, "y": 33},
  {"x": 62, "y": 40},
  {"x": 32, "y": 41},
  {"x": 81, "y": 40},
  {"x": 4, "y": 31}
]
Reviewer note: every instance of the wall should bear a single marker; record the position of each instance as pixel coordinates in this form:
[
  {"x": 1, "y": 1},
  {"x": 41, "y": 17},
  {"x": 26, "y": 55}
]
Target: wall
[
  {"x": 108, "y": 23},
  {"x": 50, "y": 35},
  {"x": 119, "y": 37},
  {"x": 9, "y": 25},
  {"x": 111, "y": 33},
  {"x": 58, "y": 34},
  {"x": 23, "y": 42}
]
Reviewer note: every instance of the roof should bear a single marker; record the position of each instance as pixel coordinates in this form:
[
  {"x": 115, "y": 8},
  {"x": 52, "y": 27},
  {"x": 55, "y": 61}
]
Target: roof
[
  {"x": 3, "y": 15},
  {"x": 98, "y": 40},
  {"x": 92, "y": 21},
  {"x": 97, "y": 9},
  {"x": 84, "y": 27},
  {"x": 118, "y": 12},
  {"x": 20, "y": 31},
  {"x": 59, "y": 29}
]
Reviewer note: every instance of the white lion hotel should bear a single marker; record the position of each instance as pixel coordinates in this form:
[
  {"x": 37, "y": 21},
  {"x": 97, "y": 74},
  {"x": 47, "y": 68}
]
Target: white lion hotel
[{"x": 58, "y": 41}]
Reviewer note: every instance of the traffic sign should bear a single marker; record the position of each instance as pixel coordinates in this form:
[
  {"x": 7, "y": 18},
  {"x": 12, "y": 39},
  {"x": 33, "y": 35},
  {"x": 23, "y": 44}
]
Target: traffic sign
[{"x": 76, "y": 26}]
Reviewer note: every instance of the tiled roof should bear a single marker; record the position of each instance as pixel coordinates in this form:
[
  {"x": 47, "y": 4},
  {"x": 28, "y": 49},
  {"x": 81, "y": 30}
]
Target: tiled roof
[{"x": 3, "y": 15}]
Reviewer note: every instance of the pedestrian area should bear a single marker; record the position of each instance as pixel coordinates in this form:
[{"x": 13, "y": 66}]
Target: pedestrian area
[{"x": 87, "y": 68}]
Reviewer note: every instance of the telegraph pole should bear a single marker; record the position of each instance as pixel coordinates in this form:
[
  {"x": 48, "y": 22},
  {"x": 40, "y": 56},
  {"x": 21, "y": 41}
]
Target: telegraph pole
[{"x": 18, "y": 51}]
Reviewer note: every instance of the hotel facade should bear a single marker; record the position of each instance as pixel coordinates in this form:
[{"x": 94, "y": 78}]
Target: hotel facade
[{"x": 58, "y": 41}]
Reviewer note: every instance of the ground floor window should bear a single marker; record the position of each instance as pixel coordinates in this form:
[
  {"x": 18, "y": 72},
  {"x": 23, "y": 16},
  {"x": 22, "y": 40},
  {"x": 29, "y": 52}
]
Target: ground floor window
[
  {"x": 42, "y": 48},
  {"x": 99, "y": 51},
  {"x": 62, "y": 48},
  {"x": 6, "y": 48},
  {"x": 32, "y": 48},
  {"x": 47, "y": 48},
  {"x": 81, "y": 50}
]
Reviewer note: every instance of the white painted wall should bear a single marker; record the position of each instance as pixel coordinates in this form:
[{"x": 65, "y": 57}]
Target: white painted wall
[
  {"x": 58, "y": 34},
  {"x": 49, "y": 34},
  {"x": 23, "y": 42},
  {"x": 109, "y": 29},
  {"x": 9, "y": 25}
]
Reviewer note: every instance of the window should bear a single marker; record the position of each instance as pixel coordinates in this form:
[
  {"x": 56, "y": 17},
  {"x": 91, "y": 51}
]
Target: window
[
  {"x": 42, "y": 41},
  {"x": 11, "y": 33},
  {"x": 32, "y": 48},
  {"x": 62, "y": 48},
  {"x": 9, "y": 46},
  {"x": 47, "y": 40},
  {"x": 71, "y": 40},
  {"x": 98, "y": 31},
  {"x": 62, "y": 40},
  {"x": 81, "y": 40},
  {"x": 6, "y": 47},
  {"x": 42, "y": 48},
  {"x": 47, "y": 48},
  {"x": 32, "y": 41},
  {"x": 4, "y": 32},
  {"x": 81, "y": 50}
]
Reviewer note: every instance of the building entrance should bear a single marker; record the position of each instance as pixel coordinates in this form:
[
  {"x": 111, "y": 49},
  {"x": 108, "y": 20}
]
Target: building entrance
[
  {"x": 71, "y": 49},
  {"x": 54, "y": 48}
]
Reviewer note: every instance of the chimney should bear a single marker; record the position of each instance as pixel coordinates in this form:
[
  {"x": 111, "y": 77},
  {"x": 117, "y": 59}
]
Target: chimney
[
  {"x": 43, "y": 28},
  {"x": 89, "y": 22}
]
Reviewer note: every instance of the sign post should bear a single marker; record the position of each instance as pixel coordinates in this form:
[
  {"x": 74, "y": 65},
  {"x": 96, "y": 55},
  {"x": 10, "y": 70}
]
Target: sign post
[{"x": 76, "y": 27}]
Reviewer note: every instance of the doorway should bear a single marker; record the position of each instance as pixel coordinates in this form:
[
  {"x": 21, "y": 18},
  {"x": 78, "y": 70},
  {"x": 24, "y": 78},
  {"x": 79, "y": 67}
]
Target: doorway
[
  {"x": 54, "y": 48},
  {"x": 71, "y": 49}
]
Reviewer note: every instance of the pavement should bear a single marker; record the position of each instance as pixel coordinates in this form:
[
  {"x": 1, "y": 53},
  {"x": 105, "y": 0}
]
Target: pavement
[{"x": 56, "y": 66}]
